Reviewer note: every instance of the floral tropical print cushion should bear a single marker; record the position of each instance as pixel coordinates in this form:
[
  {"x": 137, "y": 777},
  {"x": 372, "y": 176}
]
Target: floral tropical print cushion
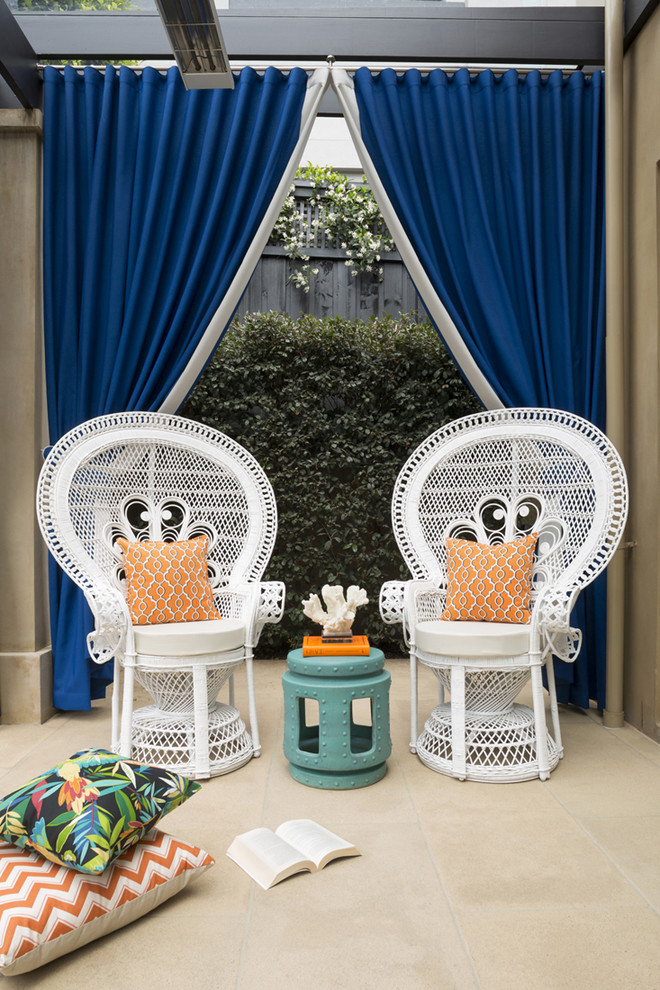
[{"x": 87, "y": 810}]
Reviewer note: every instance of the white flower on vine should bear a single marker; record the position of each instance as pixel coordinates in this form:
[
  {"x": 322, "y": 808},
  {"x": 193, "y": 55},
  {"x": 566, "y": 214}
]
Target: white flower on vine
[{"x": 347, "y": 214}]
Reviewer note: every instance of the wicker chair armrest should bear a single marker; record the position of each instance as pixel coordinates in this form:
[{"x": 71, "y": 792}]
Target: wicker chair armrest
[
  {"x": 254, "y": 604},
  {"x": 551, "y": 615},
  {"x": 418, "y": 600},
  {"x": 391, "y": 602},
  {"x": 112, "y": 622},
  {"x": 238, "y": 601},
  {"x": 409, "y": 602},
  {"x": 271, "y": 601},
  {"x": 425, "y": 601}
]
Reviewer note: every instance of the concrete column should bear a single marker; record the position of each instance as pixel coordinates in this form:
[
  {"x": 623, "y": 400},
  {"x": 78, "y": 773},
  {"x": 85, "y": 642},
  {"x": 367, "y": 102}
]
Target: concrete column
[
  {"x": 25, "y": 654},
  {"x": 642, "y": 285},
  {"x": 615, "y": 341}
]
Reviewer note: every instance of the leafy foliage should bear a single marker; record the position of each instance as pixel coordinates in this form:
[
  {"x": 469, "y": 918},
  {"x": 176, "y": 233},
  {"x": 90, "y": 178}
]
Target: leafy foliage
[
  {"x": 331, "y": 409},
  {"x": 64, "y": 5},
  {"x": 347, "y": 214}
]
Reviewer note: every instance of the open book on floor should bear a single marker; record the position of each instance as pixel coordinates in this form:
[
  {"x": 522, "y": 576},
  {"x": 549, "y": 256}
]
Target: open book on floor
[{"x": 300, "y": 844}]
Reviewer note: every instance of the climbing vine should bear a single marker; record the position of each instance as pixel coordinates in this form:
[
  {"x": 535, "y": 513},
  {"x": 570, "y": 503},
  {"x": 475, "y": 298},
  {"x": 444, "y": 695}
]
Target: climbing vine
[{"x": 344, "y": 213}]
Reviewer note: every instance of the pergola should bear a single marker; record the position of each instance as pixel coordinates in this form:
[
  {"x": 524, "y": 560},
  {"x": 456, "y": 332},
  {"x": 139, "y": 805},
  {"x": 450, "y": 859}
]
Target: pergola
[
  {"x": 423, "y": 34},
  {"x": 445, "y": 32}
]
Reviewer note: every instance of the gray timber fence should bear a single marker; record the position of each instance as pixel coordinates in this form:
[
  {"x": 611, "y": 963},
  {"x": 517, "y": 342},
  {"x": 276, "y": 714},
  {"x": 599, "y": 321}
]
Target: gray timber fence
[{"x": 335, "y": 291}]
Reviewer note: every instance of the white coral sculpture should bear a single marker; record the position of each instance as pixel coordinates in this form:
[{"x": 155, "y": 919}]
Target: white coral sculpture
[{"x": 340, "y": 614}]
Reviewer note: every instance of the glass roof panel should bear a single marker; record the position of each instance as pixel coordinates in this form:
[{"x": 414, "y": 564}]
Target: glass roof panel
[{"x": 149, "y": 6}]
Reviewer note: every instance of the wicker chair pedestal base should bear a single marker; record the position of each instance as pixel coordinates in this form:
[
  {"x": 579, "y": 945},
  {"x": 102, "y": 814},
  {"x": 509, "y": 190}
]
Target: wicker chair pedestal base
[
  {"x": 167, "y": 739},
  {"x": 499, "y": 748}
]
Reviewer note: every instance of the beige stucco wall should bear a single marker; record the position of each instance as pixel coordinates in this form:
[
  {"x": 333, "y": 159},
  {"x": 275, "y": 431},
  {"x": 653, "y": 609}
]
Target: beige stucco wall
[
  {"x": 25, "y": 658},
  {"x": 642, "y": 205}
]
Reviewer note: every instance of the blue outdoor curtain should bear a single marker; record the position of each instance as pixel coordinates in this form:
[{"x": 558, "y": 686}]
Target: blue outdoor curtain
[
  {"x": 498, "y": 181},
  {"x": 152, "y": 196}
]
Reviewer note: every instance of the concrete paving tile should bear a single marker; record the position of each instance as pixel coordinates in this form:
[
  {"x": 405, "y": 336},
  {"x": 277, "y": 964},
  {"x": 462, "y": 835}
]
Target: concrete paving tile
[
  {"x": 436, "y": 795},
  {"x": 19, "y": 741},
  {"x": 357, "y": 923},
  {"x": 221, "y": 890},
  {"x": 638, "y": 741},
  {"x": 564, "y": 950},
  {"x": 385, "y": 801},
  {"x": 634, "y": 845},
  {"x": 228, "y": 799},
  {"x": 507, "y": 861},
  {"x": 599, "y": 776},
  {"x": 158, "y": 952}
]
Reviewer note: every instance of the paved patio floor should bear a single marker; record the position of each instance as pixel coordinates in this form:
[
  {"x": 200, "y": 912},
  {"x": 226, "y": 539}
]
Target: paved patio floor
[{"x": 529, "y": 886}]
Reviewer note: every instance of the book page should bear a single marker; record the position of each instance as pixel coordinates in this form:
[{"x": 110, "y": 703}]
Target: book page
[
  {"x": 267, "y": 857},
  {"x": 314, "y": 841}
]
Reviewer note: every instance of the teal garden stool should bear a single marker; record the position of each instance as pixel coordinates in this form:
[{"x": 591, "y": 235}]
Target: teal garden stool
[{"x": 340, "y": 751}]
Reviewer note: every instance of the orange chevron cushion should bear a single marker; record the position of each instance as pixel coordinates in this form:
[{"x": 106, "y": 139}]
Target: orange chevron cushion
[
  {"x": 168, "y": 582},
  {"x": 489, "y": 583},
  {"x": 47, "y": 910}
]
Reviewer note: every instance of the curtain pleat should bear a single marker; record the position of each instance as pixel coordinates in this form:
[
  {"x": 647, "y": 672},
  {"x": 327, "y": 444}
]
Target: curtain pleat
[
  {"x": 153, "y": 197},
  {"x": 497, "y": 185}
]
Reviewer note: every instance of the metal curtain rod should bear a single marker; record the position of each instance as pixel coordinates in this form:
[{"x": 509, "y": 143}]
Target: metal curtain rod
[
  {"x": 449, "y": 67},
  {"x": 353, "y": 67}
]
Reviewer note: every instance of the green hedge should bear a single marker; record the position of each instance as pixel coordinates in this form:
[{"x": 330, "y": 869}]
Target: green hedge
[{"x": 331, "y": 409}]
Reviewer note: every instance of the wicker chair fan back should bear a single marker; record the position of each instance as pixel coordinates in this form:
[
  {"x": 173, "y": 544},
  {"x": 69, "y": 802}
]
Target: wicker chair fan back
[
  {"x": 154, "y": 476},
  {"x": 498, "y": 475}
]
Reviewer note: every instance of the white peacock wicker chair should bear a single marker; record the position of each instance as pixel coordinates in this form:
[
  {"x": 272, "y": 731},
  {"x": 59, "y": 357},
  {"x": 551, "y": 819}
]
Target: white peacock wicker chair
[
  {"x": 151, "y": 476},
  {"x": 492, "y": 477}
]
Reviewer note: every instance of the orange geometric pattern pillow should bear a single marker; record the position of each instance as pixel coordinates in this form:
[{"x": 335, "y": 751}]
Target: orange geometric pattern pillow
[
  {"x": 168, "y": 582},
  {"x": 489, "y": 583}
]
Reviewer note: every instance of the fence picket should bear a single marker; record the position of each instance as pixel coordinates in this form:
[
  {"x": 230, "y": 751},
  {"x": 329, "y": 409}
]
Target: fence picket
[{"x": 334, "y": 291}]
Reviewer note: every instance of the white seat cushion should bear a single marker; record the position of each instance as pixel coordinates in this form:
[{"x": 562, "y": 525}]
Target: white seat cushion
[
  {"x": 472, "y": 639},
  {"x": 189, "y": 639}
]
